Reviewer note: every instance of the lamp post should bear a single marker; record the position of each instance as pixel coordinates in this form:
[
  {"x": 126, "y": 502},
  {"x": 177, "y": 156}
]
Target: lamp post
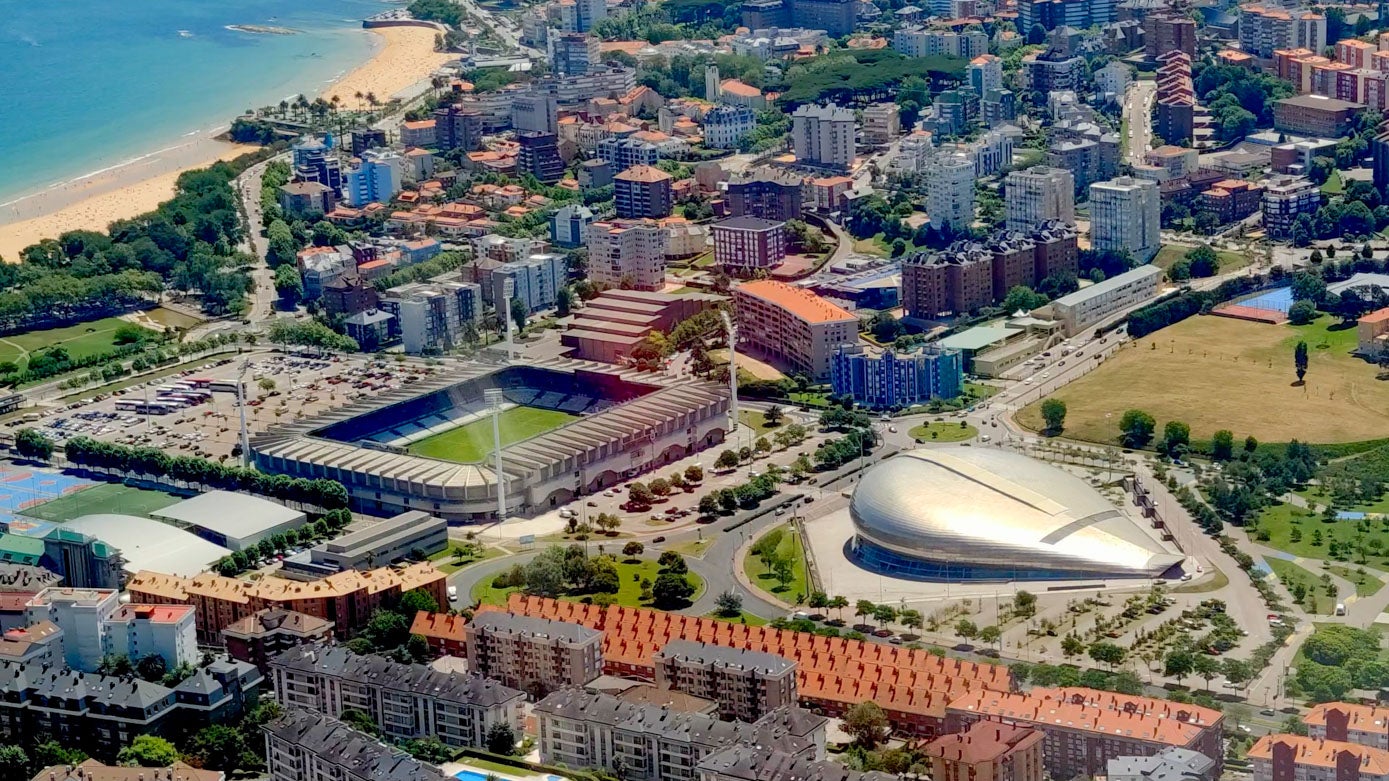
[
  {"x": 494, "y": 399},
  {"x": 241, "y": 407},
  {"x": 732, "y": 334}
]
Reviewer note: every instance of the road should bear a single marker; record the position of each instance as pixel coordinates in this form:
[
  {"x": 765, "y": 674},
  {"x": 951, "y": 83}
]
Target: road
[
  {"x": 263, "y": 279},
  {"x": 1137, "y": 109}
]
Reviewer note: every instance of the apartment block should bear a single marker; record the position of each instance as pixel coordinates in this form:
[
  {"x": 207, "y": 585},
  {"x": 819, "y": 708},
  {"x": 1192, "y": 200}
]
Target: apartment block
[
  {"x": 725, "y": 126},
  {"x": 882, "y": 123},
  {"x": 1125, "y": 215},
  {"x": 434, "y": 316},
  {"x": 1285, "y": 197},
  {"x": 1230, "y": 200},
  {"x": 377, "y": 179},
  {"x": 1037, "y": 195},
  {"x": 39, "y": 644},
  {"x": 1089, "y": 305},
  {"x": 833, "y": 674},
  {"x": 642, "y": 191},
  {"x": 987, "y": 751},
  {"x": 792, "y": 326},
  {"x": 745, "y": 243},
  {"x": 755, "y": 763},
  {"x": 746, "y": 684},
  {"x": 768, "y": 193},
  {"x": 347, "y": 599},
  {"x": 444, "y": 632},
  {"x": 166, "y": 631},
  {"x": 888, "y": 379},
  {"x": 923, "y": 41},
  {"x": 950, "y": 181},
  {"x": 307, "y": 746},
  {"x": 1315, "y": 115},
  {"x": 260, "y": 637},
  {"x": 1167, "y": 32},
  {"x": 1262, "y": 29},
  {"x": 1169, "y": 764},
  {"x": 592, "y": 730},
  {"x": 970, "y": 274},
  {"x": 536, "y": 655},
  {"x": 1085, "y": 728},
  {"x": 823, "y": 136},
  {"x": 573, "y": 54},
  {"x": 539, "y": 156},
  {"x": 405, "y": 700},
  {"x": 1366, "y": 725},
  {"x": 82, "y": 615},
  {"x": 535, "y": 279},
  {"x": 627, "y": 254},
  {"x": 1278, "y": 757}
]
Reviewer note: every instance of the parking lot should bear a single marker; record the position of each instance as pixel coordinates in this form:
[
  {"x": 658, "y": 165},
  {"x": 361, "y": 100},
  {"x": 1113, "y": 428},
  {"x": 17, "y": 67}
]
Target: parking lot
[{"x": 195, "y": 411}]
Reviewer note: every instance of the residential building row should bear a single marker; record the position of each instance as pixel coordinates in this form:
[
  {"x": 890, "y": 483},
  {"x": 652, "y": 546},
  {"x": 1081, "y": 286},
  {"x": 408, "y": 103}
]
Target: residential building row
[
  {"x": 970, "y": 275},
  {"x": 304, "y": 745},
  {"x": 791, "y": 326},
  {"x": 892, "y": 379}
]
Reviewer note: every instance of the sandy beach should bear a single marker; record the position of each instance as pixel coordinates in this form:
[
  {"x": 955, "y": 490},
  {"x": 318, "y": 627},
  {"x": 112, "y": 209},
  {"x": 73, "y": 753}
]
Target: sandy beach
[{"x": 404, "y": 58}]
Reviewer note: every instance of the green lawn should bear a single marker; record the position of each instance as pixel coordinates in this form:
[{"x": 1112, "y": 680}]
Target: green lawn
[
  {"x": 103, "y": 498},
  {"x": 1280, "y": 522},
  {"x": 944, "y": 431},
  {"x": 757, "y": 421},
  {"x": 630, "y": 574},
  {"x": 449, "y": 564},
  {"x": 694, "y": 548},
  {"x": 492, "y": 767},
  {"x": 1291, "y": 573},
  {"x": 81, "y": 340},
  {"x": 473, "y": 442},
  {"x": 1333, "y": 184},
  {"x": 1365, "y": 585},
  {"x": 790, "y": 547},
  {"x": 742, "y": 618},
  {"x": 1171, "y": 253}
]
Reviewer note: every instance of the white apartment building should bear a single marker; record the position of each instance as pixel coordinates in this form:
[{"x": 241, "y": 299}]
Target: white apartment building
[
  {"x": 882, "y": 122},
  {"x": 405, "y": 700},
  {"x": 950, "y": 191},
  {"x": 791, "y": 326},
  {"x": 81, "y": 613},
  {"x": 628, "y": 254},
  {"x": 1089, "y": 305},
  {"x": 984, "y": 73},
  {"x": 579, "y": 16},
  {"x": 1112, "y": 80},
  {"x": 1265, "y": 28},
  {"x": 1124, "y": 215},
  {"x": 823, "y": 136},
  {"x": 1038, "y": 194},
  {"x": 167, "y": 631},
  {"x": 1285, "y": 197},
  {"x": 920, "y": 41},
  {"x": 434, "y": 316},
  {"x": 725, "y": 126},
  {"x": 992, "y": 153}
]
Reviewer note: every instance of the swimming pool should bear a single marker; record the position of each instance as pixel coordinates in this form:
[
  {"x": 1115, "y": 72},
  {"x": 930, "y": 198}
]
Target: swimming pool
[{"x": 470, "y": 775}]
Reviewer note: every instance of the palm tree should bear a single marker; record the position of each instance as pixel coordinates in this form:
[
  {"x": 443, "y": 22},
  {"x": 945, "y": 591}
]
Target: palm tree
[{"x": 284, "y": 107}]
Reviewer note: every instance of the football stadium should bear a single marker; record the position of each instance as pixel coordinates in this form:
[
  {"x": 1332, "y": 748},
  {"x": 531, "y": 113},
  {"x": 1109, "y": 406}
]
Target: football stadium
[
  {"x": 567, "y": 428},
  {"x": 983, "y": 514}
]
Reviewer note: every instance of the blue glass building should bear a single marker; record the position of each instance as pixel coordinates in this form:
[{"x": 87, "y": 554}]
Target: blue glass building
[{"x": 890, "y": 379}]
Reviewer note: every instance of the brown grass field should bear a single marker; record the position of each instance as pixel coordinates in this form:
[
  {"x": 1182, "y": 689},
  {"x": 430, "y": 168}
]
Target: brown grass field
[{"x": 1215, "y": 372}]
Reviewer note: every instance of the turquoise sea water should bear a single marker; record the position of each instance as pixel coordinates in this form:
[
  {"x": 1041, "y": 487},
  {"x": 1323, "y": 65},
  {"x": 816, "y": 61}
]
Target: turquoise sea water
[{"x": 89, "y": 84}]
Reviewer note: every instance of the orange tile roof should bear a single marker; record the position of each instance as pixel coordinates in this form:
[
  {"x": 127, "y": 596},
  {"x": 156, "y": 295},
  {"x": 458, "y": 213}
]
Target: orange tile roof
[
  {"x": 835, "y": 670},
  {"x": 736, "y": 87},
  {"x": 831, "y": 181},
  {"x": 419, "y": 124},
  {"x": 1363, "y": 718},
  {"x": 1091, "y": 710},
  {"x": 799, "y": 302},
  {"x": 643, "y": 173},
  {"x": 1323, "y": 753},
  {"x": 983, "y": 741},
  {"x": 439, "y": 625},
  {"x": 1377, "y": 316}
]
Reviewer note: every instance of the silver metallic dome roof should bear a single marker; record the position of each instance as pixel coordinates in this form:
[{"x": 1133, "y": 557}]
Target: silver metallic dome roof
[{"x": 991, "y": 507}]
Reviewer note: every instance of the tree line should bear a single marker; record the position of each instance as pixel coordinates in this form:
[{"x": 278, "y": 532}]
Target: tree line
[{"x": 190, "y": 470}]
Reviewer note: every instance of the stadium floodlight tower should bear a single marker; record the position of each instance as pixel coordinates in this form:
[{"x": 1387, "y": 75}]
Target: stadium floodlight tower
[
  {"x": 241, "y": 407},
  {"x": 732, "y": 331},
  {"x": 494, "y": 399}
]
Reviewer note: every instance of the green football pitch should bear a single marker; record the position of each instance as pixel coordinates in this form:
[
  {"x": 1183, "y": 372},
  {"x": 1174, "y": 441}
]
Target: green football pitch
[
  {"x": 472, "y": 442},
  {"x": 103, "y": 498}
]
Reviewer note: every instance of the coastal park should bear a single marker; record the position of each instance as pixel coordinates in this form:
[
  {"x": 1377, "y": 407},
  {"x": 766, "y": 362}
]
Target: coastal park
[{"x": 1216, "y": 373}]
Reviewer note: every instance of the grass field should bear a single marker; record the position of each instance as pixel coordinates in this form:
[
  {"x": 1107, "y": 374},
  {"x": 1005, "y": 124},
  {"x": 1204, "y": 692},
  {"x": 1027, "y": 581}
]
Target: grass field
[
  {"x": 1280, "y": 522},
  {"x": 103, "y": 498},
  {"x": 1366, "y": 585},
  {"x": 1207, "y": 372},
  {"x": 1229, "y": 261},
  {"x": 1290, "y": 573},
  {"x": 742, "y": 618},
  {"x": 757, "y": 421},
  {"x": 630, "y": 573},
  {"x": 449, "y": 564},
  {"x": 471, "y": 443},
  {"x": 791, "y": 547},
  {"x": 81, "y": 340},
  {"x": 944, "y": 431}
]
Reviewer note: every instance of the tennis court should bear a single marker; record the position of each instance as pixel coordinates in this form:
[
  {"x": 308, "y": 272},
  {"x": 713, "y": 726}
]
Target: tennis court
[
  {"x": 23, "y": 489},
  {"x": 1279, "y": 300}
]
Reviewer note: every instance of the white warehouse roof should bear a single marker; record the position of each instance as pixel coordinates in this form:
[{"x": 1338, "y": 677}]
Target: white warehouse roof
[
  {"x": 240, "y": 519},
  {"x": 150, "y": 545}
]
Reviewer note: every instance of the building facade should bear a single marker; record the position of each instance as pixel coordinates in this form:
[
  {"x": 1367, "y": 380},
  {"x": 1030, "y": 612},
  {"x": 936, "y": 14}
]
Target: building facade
[
  {"x": 307, "y": 746},
  {"x": 535, "y": 655},
  {"x": 1286, "y": 197},
  {"x": 627, "y": 254},
  {"x": 890, "y": 380},
  {"x": 1088, "y": 306},
  {"x": 823, "y": 136},
  {"x": 791, "y": 326},
  {"x": 435, "y": 316},
  {"x": 260, "y": 637},
  {"x": 1125, "y": 215},
  {"x": 768, "y": 193},
  {"x": 1037, "y": 195},
  {"x": 1278, "y": 757},
  {"x": 747, "y": 685},
  {"x": 725, "y": 126},
  {"x": 746, "y": 243},
  {"x": 642, "y": 191},
  {"x": 987, "y": 751}
]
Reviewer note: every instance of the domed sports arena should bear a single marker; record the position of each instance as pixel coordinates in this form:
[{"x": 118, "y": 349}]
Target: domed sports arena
[{"x": 983, "y": 514}]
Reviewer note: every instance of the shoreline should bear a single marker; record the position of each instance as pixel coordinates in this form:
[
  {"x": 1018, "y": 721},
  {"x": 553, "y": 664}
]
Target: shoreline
[{"x": 402, "y": 58}]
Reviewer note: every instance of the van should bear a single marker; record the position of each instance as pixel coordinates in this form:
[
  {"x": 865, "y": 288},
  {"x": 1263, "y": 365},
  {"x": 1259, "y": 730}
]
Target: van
[
  {"x": 453, "y": 593},
  {"x": 1340, "y": 609}
]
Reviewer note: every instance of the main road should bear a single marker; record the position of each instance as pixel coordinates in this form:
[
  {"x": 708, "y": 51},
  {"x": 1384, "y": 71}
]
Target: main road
[{"x": 1138, "y": 112}]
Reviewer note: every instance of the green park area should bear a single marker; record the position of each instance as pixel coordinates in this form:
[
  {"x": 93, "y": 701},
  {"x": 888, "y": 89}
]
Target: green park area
[
  {"x": 80, "y": 341},
  {"x": 460, "y": 554},
  {"x": 1301, "y": 582},
  {"x": 635, "y": 579},
  {"x": 472, "y": 442},
  {"x": 775, "y": 563},
  {"x": 944, "y": 431},
  {"x": 1216, "y": 373},
  {"x": 103, "y": 498},
  {"x": 1307, "y": 533},
  {"x": 1171, "y": 253},
  {"x": 1336, "y": 659}
]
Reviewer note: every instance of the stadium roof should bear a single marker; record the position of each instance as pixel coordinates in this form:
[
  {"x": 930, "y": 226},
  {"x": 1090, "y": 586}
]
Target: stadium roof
[
  {"x": 151, "y": 545},
  {"x": 233, "y": 515}
]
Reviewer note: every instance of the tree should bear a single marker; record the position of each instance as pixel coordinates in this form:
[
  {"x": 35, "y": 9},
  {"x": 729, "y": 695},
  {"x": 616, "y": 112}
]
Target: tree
[
  {"x": 1025, "y": 604},
  {"x": 633, "y": 549},
  {"x": 14, "y": 762},
  {"x": 1300, "y": 360},
  {"x": 1203, "y": 262},
  {"x": 417, "y": 600},
  {"x": 774, "y": 415},
  {"x": 1223, "y": 445},
  {"x": 660, "y": 487},
  {"x": 1108, "y": 654},
  {"x": 564, "y": 302},
  {"x": 639, "y": 494},
  {"x": 726, "y": 460},
  {"x": 1072, "y": 645},
  {"x": 966, "y": 629},
  {"x": 218, "y": 747},
  {"x": 32, "y": 443},
  {"x": 1054, "y": 413},
  {"x": 519, "y": 313},
  {"x": 671, "y": 591},
  {"x": 867, "y": 724},
  {"x": 1307, "y": 286},
  {"x": 1136, "y": 427},
  {"x": 289, "y": 285},
  {"x": 148, "y": 751},
  {"x": 1205, "y": 666},
  {"x": 729, "y": 603},
  {"x": 1022, "y": 299},
  {"x": 500, "y": 739},
  {"x": 991, "y": 634},
  {"x": 708, "y": 504},
  {"x": 1302, "y": 312},
  {"x": 694, "y": 473},
  {"x": 1176, "y": 435},
  {"x": 1236, "y": 671},
  {"x": 1178, "y": 664},
  {"x": 151, "y": 668}
]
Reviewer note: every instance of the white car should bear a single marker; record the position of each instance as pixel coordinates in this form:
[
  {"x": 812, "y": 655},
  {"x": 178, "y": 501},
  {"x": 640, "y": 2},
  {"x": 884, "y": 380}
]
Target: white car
[{"x": 453, "y": 593}]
